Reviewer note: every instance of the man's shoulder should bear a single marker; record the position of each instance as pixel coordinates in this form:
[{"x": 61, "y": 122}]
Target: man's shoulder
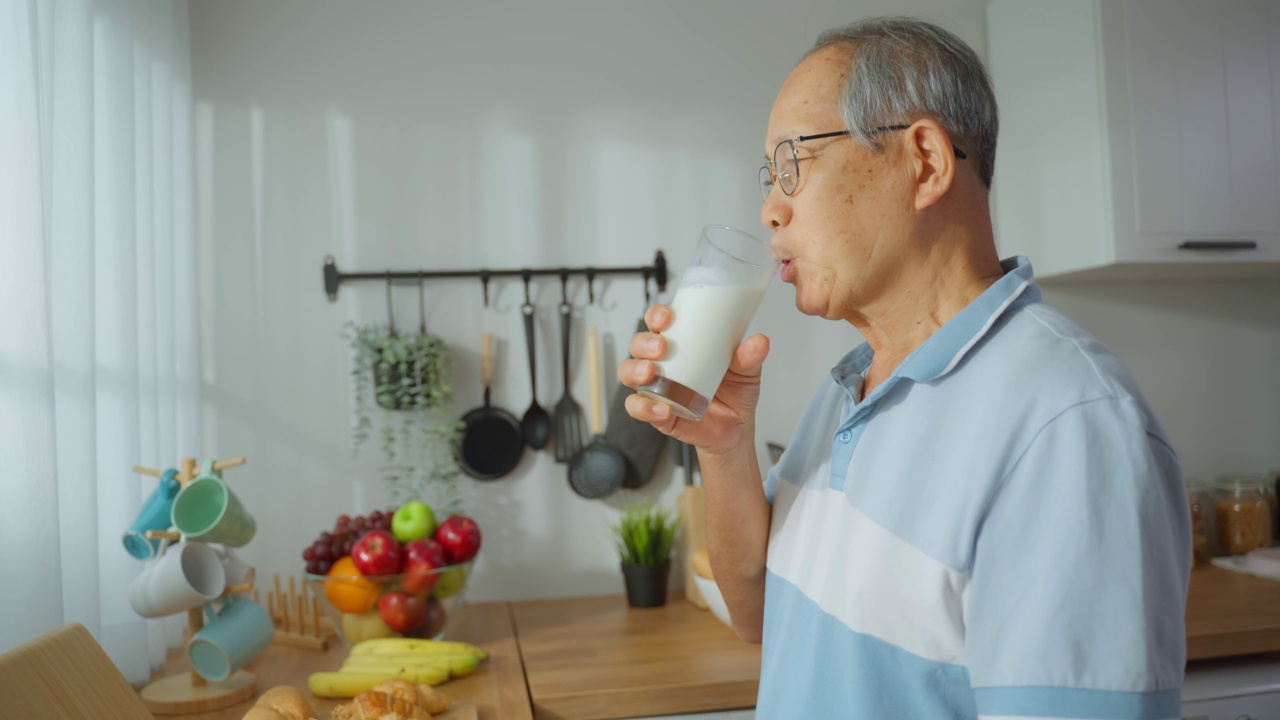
[{"x": 1038, "y": 348}]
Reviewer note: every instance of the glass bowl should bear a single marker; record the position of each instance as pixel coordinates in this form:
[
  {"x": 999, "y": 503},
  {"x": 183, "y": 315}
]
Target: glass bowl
[{"x": 417, "y": 605}]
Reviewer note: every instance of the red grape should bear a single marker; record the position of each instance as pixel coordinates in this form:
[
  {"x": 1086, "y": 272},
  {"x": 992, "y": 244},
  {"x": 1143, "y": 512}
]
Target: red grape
[
  {"x": 322, "y": 567},
  {"x": 313, "y": 567},
  {"x": 326, "y": 537},
  {"x": 324, "y": 553},
  {"x": 309, "y": 554}
]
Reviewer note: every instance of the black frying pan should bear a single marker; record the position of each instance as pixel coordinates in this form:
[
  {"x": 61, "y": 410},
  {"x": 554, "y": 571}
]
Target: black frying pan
[{"x": 491, "y": 442}]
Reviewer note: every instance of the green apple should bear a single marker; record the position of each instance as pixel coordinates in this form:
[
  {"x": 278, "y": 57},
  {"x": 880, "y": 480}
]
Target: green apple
[
  {"x": 365, "y": 626},
  {"x": 412, "y": 521},
  {"x": 450, "y": 583}
]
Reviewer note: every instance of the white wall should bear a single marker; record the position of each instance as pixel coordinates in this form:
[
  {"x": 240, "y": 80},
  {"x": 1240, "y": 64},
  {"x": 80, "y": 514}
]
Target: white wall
[{"x": 453, "y": 135}]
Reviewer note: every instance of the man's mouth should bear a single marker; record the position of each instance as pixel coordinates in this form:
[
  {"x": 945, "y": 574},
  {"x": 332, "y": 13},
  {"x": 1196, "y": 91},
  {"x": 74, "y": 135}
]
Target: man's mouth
[{"x": 786, "y": 271}]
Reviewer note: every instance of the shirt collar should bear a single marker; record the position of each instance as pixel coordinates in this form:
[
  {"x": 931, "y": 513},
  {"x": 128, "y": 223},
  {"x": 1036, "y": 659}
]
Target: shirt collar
[{"x": 940, "y": 354}]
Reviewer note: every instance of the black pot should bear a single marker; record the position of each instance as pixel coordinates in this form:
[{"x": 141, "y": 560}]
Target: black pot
[{"x": 646, "y": 584}]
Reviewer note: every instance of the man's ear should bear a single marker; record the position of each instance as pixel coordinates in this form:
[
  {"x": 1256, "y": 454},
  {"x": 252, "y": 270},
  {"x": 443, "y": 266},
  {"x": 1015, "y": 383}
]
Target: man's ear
[{"x": 931, "y": 161}]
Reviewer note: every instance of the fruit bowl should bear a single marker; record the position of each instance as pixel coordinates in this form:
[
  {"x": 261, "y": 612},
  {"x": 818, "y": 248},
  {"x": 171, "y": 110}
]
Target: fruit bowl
[{"x": 413, "y": 604}]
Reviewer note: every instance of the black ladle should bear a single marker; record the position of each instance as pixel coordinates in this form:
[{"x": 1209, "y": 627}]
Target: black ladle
[
  {"x": 598, "y": 469},
  {"x": 536, "y": 422}
]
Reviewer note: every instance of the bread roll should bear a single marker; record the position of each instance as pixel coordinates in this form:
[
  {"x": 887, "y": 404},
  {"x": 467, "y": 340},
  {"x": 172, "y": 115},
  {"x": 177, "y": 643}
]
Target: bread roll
[{"x": 283, "y": 702}]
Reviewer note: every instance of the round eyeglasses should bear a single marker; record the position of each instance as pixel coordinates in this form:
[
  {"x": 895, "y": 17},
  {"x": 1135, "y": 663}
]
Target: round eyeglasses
[{"x": 784, "y": 169}]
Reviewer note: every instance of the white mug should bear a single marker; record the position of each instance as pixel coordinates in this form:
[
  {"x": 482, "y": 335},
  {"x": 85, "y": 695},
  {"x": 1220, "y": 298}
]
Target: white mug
[
  {"x": 184, "y": 577},
  {"x": 238, "y": 571}
]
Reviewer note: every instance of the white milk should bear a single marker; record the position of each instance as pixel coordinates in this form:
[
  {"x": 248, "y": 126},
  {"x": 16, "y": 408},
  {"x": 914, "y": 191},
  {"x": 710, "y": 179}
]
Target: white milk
[{"x": 707, "y": 327}]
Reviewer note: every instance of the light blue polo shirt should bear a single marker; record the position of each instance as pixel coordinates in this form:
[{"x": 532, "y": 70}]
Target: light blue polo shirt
[{"x": 999, "y": 530}]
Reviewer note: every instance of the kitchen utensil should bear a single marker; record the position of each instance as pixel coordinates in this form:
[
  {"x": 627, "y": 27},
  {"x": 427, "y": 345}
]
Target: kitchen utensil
[
  {"x": 536, "y": 423},
  {"x": 693, "y": 526},
  {"x": 640, "y": 443},
  {"x": 568, "y": 415},
  {"x": 491, "y": 442},
  {"x": 596, "y": 470}
]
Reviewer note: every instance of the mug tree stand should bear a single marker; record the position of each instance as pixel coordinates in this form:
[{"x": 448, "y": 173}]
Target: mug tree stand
[{"x": 189, "y": 693}]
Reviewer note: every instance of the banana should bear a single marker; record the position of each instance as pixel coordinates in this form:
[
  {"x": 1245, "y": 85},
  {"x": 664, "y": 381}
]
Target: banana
[
  {"x": 350, "y": 684},
  {"x": 406, "y": 646},
  {"x": 456, "y": 664}
]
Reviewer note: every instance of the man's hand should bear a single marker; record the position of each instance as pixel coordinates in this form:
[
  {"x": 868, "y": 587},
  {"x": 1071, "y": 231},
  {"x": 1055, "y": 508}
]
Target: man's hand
[{"x": 729, "y": 421}]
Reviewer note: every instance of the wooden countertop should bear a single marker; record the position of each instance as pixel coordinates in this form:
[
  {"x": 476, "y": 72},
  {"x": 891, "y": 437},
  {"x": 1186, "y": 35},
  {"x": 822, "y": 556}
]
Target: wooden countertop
[
  {"x": 594, "y": 657},
  {"x": 1230, "y": 613},
  {"x": 497, "y": 688}
]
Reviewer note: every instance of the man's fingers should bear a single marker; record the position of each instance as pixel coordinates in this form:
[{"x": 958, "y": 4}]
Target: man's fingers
[
  {"x": 634, "y": 373},
  {"x": 649, "y": 346},
  {"x": 658, "y": 317},
  {"x": 750, "y": 355},
  {"x": 652, "y": 412}
]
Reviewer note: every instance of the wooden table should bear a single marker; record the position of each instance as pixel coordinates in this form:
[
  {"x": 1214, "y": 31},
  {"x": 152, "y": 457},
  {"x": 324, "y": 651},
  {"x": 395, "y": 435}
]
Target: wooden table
[
  {"x": 497, "y": 688},
  {"x": 594, "y": 657},
  {"x": 1230, "y": 613}
]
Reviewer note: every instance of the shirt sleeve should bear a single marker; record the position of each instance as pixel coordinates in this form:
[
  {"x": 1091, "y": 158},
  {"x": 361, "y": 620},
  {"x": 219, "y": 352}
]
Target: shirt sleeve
[{"x": 1078, "y": 588}]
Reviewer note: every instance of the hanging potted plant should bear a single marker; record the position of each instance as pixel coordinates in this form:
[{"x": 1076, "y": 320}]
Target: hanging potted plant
[
  {"x": 405, "y": 382},
  {"x": 643, "y": 536}
]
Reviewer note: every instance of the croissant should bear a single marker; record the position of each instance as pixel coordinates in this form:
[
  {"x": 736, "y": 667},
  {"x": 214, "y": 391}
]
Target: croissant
[
  {"x": 374, "y": 705},
  {"x": 424, "y": 696},
  {"x": 282, "y": 702}
]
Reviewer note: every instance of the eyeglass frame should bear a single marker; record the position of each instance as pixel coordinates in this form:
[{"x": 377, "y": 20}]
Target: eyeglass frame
[{"x": 771, "y": 165}]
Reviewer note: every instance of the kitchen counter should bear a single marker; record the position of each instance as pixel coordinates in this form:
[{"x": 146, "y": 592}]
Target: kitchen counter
[
  {"x": 1230, "y": 614},
  {"x": 497, "y": 688},
  {"x": 594, "y": 657}
]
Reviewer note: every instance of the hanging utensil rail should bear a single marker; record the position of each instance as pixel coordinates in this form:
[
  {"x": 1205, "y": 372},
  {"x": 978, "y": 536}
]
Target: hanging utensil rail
[{"x": 334, "y": 277}]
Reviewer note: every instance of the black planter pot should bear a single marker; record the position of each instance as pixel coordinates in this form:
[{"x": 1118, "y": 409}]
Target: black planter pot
[{"x": 646, "y": 584}]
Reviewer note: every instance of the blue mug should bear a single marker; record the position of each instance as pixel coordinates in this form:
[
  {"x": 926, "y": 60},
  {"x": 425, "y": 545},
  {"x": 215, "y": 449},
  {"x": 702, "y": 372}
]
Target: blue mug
[
  {"x": 154, "y": 515},
  {"x": 233, "y": 636}
]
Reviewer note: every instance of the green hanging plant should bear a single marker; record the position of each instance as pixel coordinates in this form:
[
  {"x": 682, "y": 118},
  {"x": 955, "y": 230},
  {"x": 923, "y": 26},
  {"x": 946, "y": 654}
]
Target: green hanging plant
[{"x": 405, "y": 381}]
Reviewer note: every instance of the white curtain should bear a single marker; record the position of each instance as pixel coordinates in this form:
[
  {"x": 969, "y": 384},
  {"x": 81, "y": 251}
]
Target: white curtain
[{"x": 99, "y": 342}]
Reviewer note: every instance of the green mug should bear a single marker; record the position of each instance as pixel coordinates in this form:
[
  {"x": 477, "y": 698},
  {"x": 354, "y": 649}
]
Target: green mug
[
  {"x": 206, "y": 510},
  {"x": 233, "y": 636}
]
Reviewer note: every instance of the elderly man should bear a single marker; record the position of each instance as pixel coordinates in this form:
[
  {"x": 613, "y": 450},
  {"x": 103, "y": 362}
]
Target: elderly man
[{"x": 978, "y": 515}]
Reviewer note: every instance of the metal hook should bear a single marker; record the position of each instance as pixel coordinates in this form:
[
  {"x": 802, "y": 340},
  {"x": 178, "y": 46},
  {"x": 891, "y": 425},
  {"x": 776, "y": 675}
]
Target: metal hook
[
  {"x": 422, "y": 307},
  {"x": 391, "y": 316},
  {"x": 564, "y": 286},
  {"x": 526, "y": 275},
  {"x": 591, "y": 289},
  {"x": 484, "y": 281}
]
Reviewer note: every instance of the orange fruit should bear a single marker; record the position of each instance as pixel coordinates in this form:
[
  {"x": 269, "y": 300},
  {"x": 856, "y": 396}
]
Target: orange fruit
[{"x": 348, "y": 590}]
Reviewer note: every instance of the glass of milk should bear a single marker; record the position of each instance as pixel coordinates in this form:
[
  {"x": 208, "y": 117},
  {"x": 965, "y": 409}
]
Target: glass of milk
[{"x": 718, "y": 294}]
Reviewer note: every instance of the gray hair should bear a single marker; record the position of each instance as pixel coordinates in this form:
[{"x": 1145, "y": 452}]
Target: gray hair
[{"x": 903, "y": 70}]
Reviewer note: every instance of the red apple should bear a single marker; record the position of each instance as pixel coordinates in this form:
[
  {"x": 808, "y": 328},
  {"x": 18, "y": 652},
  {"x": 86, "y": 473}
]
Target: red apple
[
  {"x": 460, "y": 537},
  {"x": 377, "y": 553},
  {"x": 402, "y": 612},
  {"x": 421, "y": 557}
]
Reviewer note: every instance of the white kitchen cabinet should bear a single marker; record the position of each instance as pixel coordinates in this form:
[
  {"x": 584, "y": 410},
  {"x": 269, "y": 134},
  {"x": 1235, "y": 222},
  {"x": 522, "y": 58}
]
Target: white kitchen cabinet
[
  {"x": 1233, "y": 689},
  {"x": 1138, "y": 138}
]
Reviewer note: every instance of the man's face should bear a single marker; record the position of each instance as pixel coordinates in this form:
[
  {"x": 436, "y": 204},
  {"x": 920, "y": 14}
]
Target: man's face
[{"x": 840, "y": 233}]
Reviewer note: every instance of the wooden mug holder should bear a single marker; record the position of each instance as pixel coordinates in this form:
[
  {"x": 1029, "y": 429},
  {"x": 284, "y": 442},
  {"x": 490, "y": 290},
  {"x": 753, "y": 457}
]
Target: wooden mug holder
[{"x": 189, "y": 693}]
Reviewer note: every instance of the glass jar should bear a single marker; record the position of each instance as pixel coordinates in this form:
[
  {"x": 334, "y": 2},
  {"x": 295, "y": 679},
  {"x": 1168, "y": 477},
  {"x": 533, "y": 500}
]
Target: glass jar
[
  {"x": 1243, "y": 514},
  {"x": 1200, "y": 500}
]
